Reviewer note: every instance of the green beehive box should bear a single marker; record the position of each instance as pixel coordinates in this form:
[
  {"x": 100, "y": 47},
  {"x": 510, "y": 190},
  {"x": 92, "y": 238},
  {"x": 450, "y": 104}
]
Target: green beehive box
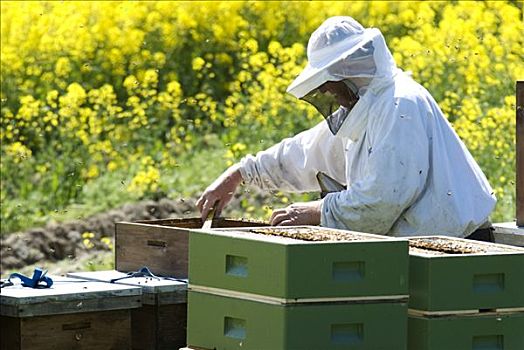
[
  {"x": 219, "y": 322},
  {"x": 475, "y": 332},
  {"x": 361, "y": 267},
  {"x": 457, "y": 275},
  {"x": 160, "y": 323}
]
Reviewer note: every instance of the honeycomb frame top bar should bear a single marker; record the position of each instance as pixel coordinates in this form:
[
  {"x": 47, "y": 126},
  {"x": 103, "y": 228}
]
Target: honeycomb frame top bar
[
  {"x": 258, "y": 234},
  {"x": 445, "y": 246}
]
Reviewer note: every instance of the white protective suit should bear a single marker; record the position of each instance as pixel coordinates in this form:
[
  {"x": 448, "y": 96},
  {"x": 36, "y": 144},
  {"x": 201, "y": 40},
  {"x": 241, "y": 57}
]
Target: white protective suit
[{"x": 407, "y": 172}]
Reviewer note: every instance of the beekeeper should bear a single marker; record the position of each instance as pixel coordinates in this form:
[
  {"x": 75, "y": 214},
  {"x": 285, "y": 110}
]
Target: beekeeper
[{"x": 384, "y": 137}]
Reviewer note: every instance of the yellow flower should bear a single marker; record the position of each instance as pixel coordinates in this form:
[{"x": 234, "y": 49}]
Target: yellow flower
[
  {"x": 112, "y": 166},
  {"x": 92, "y": 172},
  {"x": 18, "y": 152},
  {"x": 198, "y": 63},
  {"x": 51, "y": 98},
  {"x": 145, "y": 180},
  {"x": 62, "y": 67},
  {"x": 131, "y": 83}
]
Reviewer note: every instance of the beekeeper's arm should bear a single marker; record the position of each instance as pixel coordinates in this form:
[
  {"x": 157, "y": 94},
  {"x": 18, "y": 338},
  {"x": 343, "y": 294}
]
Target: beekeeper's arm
[
  {"x": 290, "y": 165},
  {"x": 396, "y": 173}
]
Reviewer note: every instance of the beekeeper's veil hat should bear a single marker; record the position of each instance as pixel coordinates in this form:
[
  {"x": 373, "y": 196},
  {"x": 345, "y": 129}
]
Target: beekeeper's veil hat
[{"x": 339, "y": 49}]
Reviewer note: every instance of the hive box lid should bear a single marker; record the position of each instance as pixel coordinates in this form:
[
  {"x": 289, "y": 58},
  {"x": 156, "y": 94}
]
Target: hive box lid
[
  {"x": 155, "y": 290},
  {"x": 66, "y": 296},
  {"x": 509, "y": 233}
]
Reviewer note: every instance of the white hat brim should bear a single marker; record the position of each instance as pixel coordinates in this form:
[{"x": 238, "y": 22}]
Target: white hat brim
[{"x": 312, "y": 77}]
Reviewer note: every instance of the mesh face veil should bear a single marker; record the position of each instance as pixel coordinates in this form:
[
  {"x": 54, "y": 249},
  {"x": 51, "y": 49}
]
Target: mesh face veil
[
  {"x": 329, "y": 106},
  {"x": 341, "y": 50}
]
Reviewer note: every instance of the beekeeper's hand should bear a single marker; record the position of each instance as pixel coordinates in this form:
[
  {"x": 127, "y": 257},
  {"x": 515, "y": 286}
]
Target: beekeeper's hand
[
  {"x": 220, "y": 192},
  {"x": 307, "y": 213}
]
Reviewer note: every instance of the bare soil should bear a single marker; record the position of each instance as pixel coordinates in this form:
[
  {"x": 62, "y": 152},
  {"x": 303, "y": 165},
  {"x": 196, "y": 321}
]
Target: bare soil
[{"x": 64, "y": 242}]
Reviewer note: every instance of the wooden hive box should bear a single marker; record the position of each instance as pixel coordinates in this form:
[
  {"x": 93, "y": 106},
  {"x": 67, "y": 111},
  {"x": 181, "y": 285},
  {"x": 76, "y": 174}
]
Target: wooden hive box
[
  {"x": 161, "y": 245},
  {"x": 222, "y": 322},
  {"x": 360, "y": 267},
  {"x": 161, "y": 321},
  {"x": 72, "y": 314},
  {"x": 457, "y": 276},
  {"x": 485, "y": 331}
]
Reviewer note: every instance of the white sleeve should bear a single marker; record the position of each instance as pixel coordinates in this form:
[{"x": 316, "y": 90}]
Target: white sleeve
[
  {"x": 394, "y": 175},
  {"x": 292, "y": 164}
]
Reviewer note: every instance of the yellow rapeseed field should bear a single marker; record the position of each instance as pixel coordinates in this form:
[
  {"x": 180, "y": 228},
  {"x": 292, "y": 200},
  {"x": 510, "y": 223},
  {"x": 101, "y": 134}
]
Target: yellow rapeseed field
[{"x": 92, "y": 88}]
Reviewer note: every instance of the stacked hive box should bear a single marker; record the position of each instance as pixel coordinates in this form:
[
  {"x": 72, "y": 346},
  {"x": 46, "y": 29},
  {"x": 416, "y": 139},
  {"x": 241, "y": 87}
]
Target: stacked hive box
[
  {"x": 162, "y": 246},
  {"x": 255, "y": 289},
  {"x": 160, "y": 323},
  {"x": 465, "y": 295},
  {"x": 72, "y": 314}
]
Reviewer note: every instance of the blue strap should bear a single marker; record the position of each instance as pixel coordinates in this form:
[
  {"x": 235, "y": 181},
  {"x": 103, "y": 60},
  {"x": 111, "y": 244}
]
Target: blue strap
[{"x": 39, "y": 279}]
